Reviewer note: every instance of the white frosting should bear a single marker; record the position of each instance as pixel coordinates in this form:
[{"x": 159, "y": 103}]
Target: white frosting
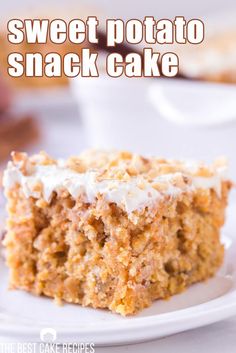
[
  {"x": 127, "y": 194},
  {"x": 217, "y": 55},
  {"x": 210, "y": 62}
]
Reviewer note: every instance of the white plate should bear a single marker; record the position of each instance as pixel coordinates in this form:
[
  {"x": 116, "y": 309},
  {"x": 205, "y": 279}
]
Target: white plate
[{"x": 23, "y": 316}]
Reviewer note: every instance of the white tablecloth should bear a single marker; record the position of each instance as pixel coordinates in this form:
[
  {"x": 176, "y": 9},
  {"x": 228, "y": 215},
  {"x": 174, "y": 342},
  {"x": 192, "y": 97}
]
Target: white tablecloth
[{"x": 216, "y": 338}]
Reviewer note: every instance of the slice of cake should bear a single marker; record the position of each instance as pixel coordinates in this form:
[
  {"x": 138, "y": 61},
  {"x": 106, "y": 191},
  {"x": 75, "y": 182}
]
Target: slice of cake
[
  {"x": 213, "y": 60},
  {"x": 112, "y": 230}
]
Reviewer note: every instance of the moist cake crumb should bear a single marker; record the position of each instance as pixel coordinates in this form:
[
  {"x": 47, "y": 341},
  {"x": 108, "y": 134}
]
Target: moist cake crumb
[{"x": 113, "y": 229}]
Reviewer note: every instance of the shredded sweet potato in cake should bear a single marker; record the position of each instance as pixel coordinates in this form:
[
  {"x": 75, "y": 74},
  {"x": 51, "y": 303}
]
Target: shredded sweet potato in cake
[{"x": 97, "y": 253}]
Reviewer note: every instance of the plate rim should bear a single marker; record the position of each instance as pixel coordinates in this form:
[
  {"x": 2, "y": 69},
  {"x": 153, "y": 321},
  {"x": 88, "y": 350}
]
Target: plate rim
[{"x": 206, "y": 313}]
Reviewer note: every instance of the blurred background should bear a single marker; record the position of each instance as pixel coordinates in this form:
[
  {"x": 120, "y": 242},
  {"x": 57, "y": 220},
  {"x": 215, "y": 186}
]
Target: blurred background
[{"x": 191, "y": 116}]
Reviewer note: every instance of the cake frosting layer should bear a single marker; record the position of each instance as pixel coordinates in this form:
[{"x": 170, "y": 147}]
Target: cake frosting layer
[{"x": 115, "y": 179}]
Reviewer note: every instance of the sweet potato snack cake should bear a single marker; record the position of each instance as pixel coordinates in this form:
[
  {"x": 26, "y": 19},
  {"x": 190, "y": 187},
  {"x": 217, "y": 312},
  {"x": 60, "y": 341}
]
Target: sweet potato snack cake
[{"x": 112, "y": 229}]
